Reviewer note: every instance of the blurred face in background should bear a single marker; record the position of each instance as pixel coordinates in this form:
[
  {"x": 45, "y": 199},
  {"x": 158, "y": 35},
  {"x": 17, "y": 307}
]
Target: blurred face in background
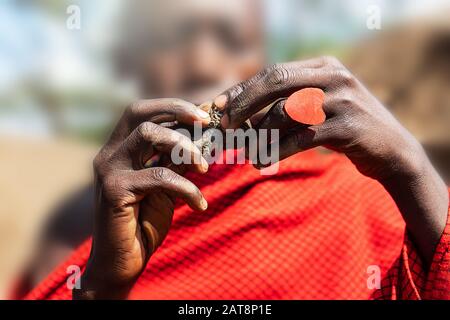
[{"x": 194, "y": 49}]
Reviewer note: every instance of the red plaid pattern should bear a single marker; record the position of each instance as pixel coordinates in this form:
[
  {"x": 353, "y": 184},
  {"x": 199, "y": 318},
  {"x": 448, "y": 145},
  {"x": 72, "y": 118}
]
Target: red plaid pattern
[
  {"x": 407, "y": 279},
  {"x": 309, "y": 232}
]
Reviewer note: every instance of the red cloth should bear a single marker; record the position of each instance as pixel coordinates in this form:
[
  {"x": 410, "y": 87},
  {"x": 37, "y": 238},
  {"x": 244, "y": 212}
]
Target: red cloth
[{"x": 312, "y": 231}]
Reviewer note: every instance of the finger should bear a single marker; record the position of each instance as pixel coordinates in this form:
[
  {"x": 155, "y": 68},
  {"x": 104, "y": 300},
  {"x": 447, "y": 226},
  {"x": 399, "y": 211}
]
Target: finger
[
  {"x": 297, "y": 140},
  {"x": 302, "y": 139},
  {"x": 157, "y": 111},
  {"x": 167, "y": 110},
  {"x": 156, "y": 217},
  {"x": 230, "y": 94},
  {"x": 279, "y": 81},
  {"x": 277, "y": 118},
  {"x": 149, "y": 138},
  {"x": 147, "y": 181},
  {"x": 274, "y": 119}
]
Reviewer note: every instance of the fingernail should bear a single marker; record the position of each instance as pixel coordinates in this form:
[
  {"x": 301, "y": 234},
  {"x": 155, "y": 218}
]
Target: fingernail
[
  {"x": 204, "y": 204},
  {"x": 205, "y": 165},
  {"x": 206, "y": 106},
  {"x": 225, "y": 121},
  {"x": 202, "y": 113},
  {"x": 220, "y": 101}
]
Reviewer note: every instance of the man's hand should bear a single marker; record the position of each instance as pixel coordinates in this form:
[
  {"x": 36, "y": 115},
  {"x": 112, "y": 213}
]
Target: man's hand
[
  {"x": 358, "y": 125},
  {"x": 135, "y": 204}
]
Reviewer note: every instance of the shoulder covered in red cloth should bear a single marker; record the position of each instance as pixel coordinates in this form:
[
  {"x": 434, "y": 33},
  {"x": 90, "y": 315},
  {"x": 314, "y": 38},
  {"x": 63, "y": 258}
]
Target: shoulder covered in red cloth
[{"x": 311, "y": 231}]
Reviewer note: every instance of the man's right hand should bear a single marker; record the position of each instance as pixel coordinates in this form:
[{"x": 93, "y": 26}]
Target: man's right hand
[{"x": 135, "y": 204}]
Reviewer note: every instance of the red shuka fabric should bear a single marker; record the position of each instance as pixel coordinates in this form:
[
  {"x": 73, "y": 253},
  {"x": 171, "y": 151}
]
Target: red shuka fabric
[{"x": 317, "y": 229}]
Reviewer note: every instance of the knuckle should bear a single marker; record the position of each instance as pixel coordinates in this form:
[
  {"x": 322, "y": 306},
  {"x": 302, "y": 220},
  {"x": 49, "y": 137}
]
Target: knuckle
[
  {"x": 331, "y": 61},
  {"x": 345, "y": 78},
  {"x": 142, "y": 129},
  {"x": 267, "y": 70},
  {"x": 162, "y": 175},
  {"x": 145, "y": 129},
  {"x": 278, "y": 75},
  {"x": 134, "y": 108},
  {"x": 345, "y": 101}
]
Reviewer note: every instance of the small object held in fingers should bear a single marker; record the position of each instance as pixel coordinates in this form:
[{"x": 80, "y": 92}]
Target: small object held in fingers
[
  {"x": 207, "y": 141},
  {"x": 215, "y": 114},
  {"x": 209, "y": 133},
  {"x": 306, "y": 106}
]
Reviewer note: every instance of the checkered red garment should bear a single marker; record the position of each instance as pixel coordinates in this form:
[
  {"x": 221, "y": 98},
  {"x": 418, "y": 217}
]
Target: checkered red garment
[{"x": 312, "y": 231}]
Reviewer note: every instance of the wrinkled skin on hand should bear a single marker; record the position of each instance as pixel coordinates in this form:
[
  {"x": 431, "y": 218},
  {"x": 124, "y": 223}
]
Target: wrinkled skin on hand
[
  {"x": 135, "y": 204},
  {"x": 358, "y": 125}
]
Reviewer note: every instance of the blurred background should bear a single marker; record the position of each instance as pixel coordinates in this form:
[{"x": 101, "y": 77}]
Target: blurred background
[{"x": 68, "y": 69}]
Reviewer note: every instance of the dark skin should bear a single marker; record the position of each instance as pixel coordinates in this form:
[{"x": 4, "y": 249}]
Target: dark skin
[
  {"x": 357, "y": 125},
  {"x": 135, "y": 204}
]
